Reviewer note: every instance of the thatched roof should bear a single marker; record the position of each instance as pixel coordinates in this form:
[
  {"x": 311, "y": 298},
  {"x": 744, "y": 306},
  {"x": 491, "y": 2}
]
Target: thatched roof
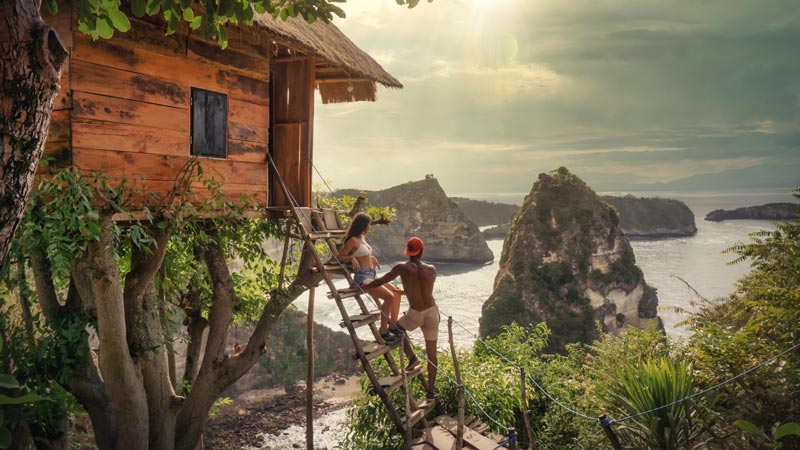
[{"x": 355, "y": 72}]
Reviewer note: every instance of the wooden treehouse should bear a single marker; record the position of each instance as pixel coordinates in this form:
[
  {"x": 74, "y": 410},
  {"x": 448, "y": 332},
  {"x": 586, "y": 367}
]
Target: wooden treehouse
[{"x": 141, "y": 104}]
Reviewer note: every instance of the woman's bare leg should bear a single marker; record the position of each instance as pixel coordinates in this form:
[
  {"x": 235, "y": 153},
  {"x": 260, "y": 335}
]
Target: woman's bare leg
[{"x": 386, "y": 298}]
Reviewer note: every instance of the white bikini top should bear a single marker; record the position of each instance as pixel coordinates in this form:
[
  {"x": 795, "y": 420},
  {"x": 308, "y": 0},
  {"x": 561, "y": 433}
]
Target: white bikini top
[{"x": 363, "y": 250}]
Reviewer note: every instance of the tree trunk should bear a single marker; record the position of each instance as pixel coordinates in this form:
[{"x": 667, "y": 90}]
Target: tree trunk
[
  {"x": 224, "y": 370},
  {"x": 24, "y": 293},
  {"x": 96, "y": 276},
  {"x": 31, "y": 58}
]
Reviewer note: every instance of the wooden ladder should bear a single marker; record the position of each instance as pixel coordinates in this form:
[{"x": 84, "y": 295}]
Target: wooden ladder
[{"x": 314, "y": 225}]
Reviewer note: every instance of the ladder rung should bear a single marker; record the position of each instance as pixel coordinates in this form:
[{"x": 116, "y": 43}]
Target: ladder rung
[
  {"x": 427, "y": 404},
  {"x": 363, "y": 319},
  {"x": 347, "y": 293},
  {"x": 416, "y": 416},
  {"x": 374, "y": 350},
  {"x": 332, "y": 268},
  {"x": 390, "y": 384}
]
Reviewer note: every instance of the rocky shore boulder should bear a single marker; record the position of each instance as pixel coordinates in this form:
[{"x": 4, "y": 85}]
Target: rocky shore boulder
[
  {"x": 567, "y": 262},
  {"x": 653, "y": 217},
  {"x": 770, "y": 211},
  {"x": 424, "y": 210}
]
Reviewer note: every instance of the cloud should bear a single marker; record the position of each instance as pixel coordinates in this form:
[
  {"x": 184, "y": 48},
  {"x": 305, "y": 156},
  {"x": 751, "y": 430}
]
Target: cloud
[{"x": 494, "y": 95}]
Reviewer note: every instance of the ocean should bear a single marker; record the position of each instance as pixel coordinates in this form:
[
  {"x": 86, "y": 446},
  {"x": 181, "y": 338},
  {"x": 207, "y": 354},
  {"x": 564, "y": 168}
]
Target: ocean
[{"x": 461, "y": 289}]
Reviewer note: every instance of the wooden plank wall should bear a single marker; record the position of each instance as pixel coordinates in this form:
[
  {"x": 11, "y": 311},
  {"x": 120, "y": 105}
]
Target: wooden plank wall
[{"x": 131, "y": 111}]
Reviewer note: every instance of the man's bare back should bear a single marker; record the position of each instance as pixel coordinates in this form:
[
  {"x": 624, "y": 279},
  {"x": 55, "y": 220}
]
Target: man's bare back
[{"x": 418, "y": 278}]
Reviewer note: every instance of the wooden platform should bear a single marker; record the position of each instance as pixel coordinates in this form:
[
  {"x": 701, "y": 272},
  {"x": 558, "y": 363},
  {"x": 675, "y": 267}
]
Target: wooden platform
[{"x": 442, "y": 436}]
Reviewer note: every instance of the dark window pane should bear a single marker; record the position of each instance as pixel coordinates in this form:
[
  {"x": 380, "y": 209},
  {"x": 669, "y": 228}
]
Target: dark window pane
[{"x": 209, "y": 123}]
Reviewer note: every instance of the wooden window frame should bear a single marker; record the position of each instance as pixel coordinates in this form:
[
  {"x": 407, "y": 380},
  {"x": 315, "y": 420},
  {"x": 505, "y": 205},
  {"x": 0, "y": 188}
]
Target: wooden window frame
[{"x": 224, "y": 131}]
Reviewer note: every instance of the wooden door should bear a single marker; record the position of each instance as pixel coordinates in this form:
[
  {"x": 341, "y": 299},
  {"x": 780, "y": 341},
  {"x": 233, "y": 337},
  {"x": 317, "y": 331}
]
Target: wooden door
[{"x": 292, "y": 120}]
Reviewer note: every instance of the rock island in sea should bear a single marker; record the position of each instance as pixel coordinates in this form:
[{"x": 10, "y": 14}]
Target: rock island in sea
[
  {"x": 424, "y": 210},
  {"x": 567, "y": 262}
]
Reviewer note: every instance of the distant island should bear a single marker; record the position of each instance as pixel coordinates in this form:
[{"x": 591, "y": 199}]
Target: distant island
[
  {"x": 639, "y": 217},
  {"x": 483, "y": 213},
  {"x": 642, "y": 217},
  {"x": 770, "y": 211}
]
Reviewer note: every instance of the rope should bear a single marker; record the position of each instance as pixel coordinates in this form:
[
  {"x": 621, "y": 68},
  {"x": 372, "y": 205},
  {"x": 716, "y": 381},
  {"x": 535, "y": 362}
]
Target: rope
[
  {"x": 553, "y": 399},
  {"x": 705, "y": 391},
  {"x": 296, "y": 205}
]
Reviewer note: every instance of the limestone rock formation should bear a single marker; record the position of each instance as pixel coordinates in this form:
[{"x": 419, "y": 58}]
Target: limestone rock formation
[
  {"x": 484, "y": 213},
  {"x": 496, "y": 232},
  {"x": 653, "y": 217},
  {"x": 424, "y": 210},
  {"x": 567, "y": 262},
  {"x": 770, "y": 211}
]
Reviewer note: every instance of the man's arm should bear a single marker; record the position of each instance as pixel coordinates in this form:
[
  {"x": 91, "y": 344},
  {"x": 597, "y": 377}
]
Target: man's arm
[{"x": 387, "y": 277}]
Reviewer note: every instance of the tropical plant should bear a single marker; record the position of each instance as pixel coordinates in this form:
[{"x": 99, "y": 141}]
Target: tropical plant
[
  {"x": 651, "y": 393},
  {"x": 778, "y": 433}
]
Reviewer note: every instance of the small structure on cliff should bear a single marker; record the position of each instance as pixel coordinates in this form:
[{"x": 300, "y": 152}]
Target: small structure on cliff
[
  {"x": 424, "y": 210},
  {"x": 567, "y": 262}
]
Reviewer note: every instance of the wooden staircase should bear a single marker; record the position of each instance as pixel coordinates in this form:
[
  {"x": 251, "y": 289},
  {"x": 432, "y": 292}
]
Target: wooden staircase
[{"x": 315, "y": 225}]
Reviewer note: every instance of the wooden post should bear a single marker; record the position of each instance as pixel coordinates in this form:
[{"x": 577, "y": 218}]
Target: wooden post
[
  {"x": 407, "y": 430},
  {"x": 606, "y": 424},
  {"x": 461, "y": 401},
  {"x": 512, "y": 439},
  {"x": 286, "y": 250},
  {"x": 524, "y": 404},
  {"x": 310, "y": 371}
]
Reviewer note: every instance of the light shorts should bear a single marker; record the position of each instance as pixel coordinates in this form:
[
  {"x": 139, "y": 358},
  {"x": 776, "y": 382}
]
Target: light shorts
[
  {"x": 427, "y": 320},
  {"x": 364, "y": 275}
]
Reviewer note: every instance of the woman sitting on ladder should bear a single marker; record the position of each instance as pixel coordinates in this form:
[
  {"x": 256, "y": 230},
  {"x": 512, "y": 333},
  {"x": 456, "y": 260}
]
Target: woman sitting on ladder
[{"x": 357, "y": 251}]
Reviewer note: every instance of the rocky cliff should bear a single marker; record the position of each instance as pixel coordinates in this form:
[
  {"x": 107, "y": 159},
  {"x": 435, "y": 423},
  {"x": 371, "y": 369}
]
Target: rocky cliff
[
  {"x": 770, "y": 211},
  {"x": 653, "y": 217},
  {"x": 484, "y": 213},
  {"x": 567, "y": 262},
  {"x": 424, "y": 210}
]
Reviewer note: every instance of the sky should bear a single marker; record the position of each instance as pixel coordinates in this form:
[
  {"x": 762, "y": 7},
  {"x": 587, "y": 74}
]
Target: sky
[{"x": 621, "y": 92}]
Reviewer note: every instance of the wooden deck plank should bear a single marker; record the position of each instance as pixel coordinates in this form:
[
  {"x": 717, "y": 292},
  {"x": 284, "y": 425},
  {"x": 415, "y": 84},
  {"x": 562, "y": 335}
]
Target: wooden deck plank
[
  {"x": 471, "y": 437},
  {"x": 390, "y": 384}
]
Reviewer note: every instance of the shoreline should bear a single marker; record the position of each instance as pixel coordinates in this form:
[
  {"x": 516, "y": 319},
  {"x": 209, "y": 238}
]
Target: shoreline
[{"x": 254, "y": 415}]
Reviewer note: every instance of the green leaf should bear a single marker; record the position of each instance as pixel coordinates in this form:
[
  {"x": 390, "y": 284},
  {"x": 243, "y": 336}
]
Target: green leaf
[
  {"x": 787, "y": 429},
  {"x": 52, "y": 6},
  {"x": 174, "y": 21},
  {"x": 748, "y": 427},
  {"x": 284, "y": 14},
  {"x": 223, "y": 38},
  {"x": 188, "y": 14},
  {"x": 119, "y": 20},
  {"x": 153, "y": 7},
  {"x": 8, "y": 382},
  {"x": 104, "y": 27},
  {"x": 196, "y": 22},
  {"x": 138, "y": 7},
  {"x": 27, "y": 398},
  {"x": 311, "y": 18},
  {"x": 5, "y": 437},
  {"x": 93, "y": 5}
]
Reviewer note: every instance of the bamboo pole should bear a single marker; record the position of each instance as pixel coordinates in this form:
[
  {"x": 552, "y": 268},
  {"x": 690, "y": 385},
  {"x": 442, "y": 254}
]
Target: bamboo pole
[
  {"x": 524, "y": 404},
  {"x": 407, "y": 430},
  {"x": 461, "y": 400},
  {"x": 310, "y": 372},
  {"x": 283, "y": 257}
]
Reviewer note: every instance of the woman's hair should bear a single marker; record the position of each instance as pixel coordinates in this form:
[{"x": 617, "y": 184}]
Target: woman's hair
[{"x": 357, "y": 226}]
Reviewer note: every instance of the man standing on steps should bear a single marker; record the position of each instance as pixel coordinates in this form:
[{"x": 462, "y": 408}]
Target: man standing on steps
[{"x": 418, "y": 278}]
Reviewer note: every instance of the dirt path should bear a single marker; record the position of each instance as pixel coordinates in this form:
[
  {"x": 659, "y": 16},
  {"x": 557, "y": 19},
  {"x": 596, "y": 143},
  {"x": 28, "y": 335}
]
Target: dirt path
[{"x": 270, "y": 411}]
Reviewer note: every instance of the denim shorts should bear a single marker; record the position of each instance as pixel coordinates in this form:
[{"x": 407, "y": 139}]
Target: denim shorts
[{"x": 365, "y": 275}]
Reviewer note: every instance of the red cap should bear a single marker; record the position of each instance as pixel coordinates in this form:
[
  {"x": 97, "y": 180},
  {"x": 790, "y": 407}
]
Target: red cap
[{"x": 414, "y": 246}]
